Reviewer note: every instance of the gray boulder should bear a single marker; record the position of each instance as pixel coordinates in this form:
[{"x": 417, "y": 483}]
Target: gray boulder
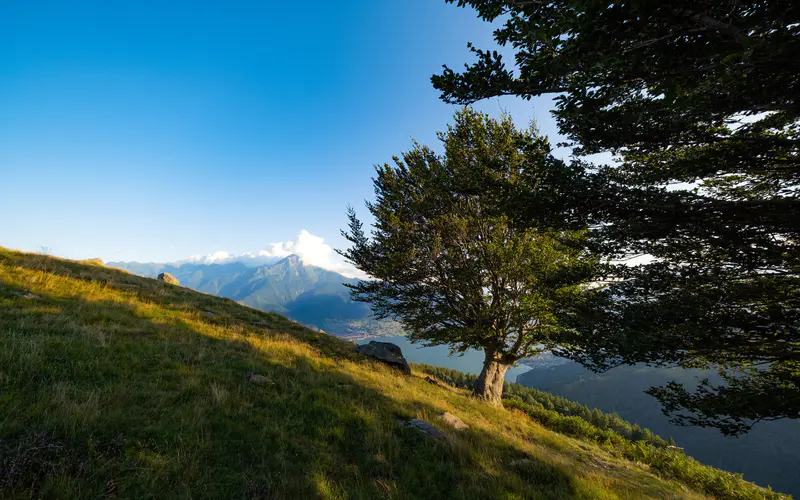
[
  {"x": 257, "y": 379},
  {"x": 386, "y": 352},
  {"x": 425, "y": 428},
  {"x": 168, "y": 278}
]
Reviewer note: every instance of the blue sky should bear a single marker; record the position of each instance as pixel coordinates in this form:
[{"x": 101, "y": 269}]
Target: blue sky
[{"x": 154, "y": 131}]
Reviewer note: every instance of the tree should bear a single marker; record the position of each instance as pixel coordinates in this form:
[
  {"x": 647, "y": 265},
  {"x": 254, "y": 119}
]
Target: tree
[
  {"x": 449, "y": 263},
  {"x": 699, "y": 103}
]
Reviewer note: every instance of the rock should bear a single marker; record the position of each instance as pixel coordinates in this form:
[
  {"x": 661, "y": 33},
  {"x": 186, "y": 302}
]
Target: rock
[
  {"x": 521, "y": 462},
  {"x": 25, "y": 295},
  {"x": 127, "y": 285},
  {"x": 168, "y": 278},
  {"x": 260, "y": 324},
  {"x": 208, "y": 314},
  {"x": 425, "y": 428},
  {"x": 432, "y": 381},
  {"x": 453, "y": 421},
  {"x": 257, "y": 379},
  {"x": 386, "y": 352}
]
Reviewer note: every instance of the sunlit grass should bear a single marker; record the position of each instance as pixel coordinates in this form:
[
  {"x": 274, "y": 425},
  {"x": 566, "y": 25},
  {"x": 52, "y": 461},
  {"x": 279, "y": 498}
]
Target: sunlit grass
[{"x": 114, "y": 385}]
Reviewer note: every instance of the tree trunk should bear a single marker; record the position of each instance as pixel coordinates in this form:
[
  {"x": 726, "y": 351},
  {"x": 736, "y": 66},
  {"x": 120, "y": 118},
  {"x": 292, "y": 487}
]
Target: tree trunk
[{"x": 489, "y": 385}]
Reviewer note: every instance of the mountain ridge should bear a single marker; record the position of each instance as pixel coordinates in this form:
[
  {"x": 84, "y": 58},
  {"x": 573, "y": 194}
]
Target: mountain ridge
[{"x": 312, "y": 295}]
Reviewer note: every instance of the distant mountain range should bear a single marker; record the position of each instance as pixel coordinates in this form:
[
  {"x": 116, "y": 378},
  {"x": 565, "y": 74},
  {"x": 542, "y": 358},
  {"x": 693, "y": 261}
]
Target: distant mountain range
[{"x": 307, "y": 294}]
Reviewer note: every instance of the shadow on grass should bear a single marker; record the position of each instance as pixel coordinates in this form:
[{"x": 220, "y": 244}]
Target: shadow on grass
[{"x": 99, "y": 399}]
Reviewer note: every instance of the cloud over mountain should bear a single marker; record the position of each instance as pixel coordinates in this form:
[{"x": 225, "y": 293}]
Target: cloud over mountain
[{"x": 311, "y": 249}]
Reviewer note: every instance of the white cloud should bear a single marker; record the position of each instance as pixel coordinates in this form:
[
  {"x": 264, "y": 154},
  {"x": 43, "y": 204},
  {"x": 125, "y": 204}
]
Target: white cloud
[
  {"x": 311, "y": 249},
  {"x": 215, "y": 258}
]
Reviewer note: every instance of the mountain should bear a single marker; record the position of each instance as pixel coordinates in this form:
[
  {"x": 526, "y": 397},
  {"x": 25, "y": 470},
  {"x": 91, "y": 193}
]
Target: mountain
[
  {"x": 769, "y": 454},
  {"x": 118, "y": 386},
  {"x": 308, "y": 294}
]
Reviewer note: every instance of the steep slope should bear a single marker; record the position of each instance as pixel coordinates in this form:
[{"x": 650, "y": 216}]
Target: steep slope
[
  {"x": 767, "y": 455},
  {"x": 308, "y": 294},
  {"x": 112, "y": 385}
]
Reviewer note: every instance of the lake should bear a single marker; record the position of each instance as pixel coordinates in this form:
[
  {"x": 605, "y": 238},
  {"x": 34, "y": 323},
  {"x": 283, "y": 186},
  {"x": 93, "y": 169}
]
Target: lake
[{"x": 468, "y": 362}]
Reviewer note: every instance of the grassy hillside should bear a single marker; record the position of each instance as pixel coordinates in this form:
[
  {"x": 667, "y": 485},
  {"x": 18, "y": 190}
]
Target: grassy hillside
[
  {"x": 113, "y": 385},
  {"x": 311, "y": 295}
]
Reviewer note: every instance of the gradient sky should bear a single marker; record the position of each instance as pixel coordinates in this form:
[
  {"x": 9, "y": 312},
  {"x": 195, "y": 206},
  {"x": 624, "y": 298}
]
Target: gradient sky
[{"x": 154, "y": 131}]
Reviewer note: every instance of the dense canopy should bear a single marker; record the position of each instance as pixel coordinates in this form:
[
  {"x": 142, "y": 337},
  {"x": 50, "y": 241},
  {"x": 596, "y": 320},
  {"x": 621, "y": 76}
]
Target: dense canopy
[
  {"x": 449, "y": 262},
  {"x": 698, "y": 101}
]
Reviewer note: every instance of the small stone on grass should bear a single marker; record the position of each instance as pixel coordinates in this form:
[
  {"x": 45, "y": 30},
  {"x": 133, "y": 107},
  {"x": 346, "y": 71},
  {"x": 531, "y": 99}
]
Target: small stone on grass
[
  {"x": 257, "y": 379},
  {"x": 425, "y": 428},
  {"x": 453, "y": 421}
]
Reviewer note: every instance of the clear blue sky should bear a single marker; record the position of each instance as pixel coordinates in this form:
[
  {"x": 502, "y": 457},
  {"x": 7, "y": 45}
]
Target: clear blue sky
[{"x": 153, "y": 131}]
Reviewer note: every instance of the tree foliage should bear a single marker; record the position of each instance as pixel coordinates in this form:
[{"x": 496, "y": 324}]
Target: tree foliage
[
  {"x": 698, "y": 101},
  {"x": 450, "y": 264}
]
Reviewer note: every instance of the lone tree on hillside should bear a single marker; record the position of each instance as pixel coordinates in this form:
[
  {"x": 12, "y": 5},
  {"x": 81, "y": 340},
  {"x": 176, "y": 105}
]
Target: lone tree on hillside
[
  {"x": 700, "y": 96},
  {"x": 449, "y": 263}
]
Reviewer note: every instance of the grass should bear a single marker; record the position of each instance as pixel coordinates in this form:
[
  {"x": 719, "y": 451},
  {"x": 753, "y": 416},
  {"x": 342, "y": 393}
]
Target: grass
[
  {"x": 115, "y": 386},
  {"x": 614, "y": 435}
]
